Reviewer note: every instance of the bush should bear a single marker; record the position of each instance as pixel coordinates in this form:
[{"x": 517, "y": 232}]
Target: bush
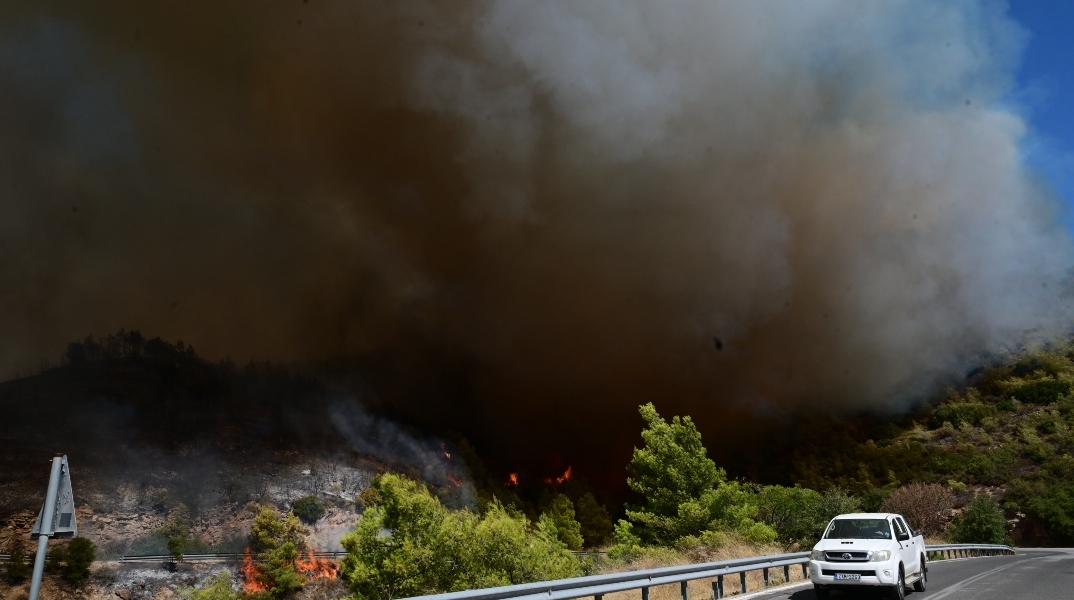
[
  {"x": 958, "y": 413},
  {"x": 790, "y": 511},
  {"x": 18, "y": 569},
  {"x": 81, "y": 553},
  {"x": 410, "y": 544},
  {"x": 310, "y": 509},
  {"x": 1044, "y": 391},
  {"x": 561, "y": 517},
  {"x": 218, "y": 587},
  {"x": 926, "y": 506},
  {"x": 982, "y": 522},
  {"x": 1055, "y": 509},
  {"x": 595, "y": 521}
]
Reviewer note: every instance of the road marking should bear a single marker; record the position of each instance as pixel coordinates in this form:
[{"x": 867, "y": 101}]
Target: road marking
[
  {"x": 958, "y": 586},
  {"x": 771, "y": 590}
]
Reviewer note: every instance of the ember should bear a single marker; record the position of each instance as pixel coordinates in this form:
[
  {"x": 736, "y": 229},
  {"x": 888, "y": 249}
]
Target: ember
[{"x": 512, "y": 480}]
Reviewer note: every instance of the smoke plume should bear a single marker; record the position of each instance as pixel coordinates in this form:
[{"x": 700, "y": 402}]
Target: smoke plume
[{"x": 532, "y": 215}]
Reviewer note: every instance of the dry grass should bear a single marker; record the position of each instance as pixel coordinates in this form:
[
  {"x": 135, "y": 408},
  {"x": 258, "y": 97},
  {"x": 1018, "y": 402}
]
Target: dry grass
[{"x": 702, "y": 588}]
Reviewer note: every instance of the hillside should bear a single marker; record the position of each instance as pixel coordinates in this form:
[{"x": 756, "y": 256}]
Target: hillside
[{"x": 1009, "y": 431}]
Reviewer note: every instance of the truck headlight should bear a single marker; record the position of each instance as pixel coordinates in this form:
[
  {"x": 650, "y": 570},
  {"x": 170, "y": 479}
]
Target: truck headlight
[
  {"x": 880, "y": 555},
  {"x": 817, "y": 555}
]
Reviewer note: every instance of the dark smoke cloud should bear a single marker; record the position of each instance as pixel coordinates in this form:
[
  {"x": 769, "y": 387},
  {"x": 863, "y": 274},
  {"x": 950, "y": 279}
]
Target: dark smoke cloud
[{"x": 531, "y": 213}]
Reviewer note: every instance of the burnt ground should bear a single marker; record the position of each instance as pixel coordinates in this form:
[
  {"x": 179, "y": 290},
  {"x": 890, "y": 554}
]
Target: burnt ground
[{"x": 157, "y": 428}]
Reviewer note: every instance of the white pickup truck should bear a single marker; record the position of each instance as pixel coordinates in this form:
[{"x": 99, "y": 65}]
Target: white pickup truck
[{"x": 868, "y": 549}]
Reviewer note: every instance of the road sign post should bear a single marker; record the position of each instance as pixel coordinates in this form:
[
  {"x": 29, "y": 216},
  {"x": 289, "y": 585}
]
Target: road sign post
[{"x": 56, "y": 519}]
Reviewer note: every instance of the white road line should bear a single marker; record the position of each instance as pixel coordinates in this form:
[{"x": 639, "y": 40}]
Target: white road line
[
  {"x": 771, "y": 590},
  {"x": 958, "y": 586}
]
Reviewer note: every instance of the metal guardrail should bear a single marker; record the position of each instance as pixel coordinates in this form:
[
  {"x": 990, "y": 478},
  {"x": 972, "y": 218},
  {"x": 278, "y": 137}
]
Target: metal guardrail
[
  {"x": 948, "y": 551},
  {"x": 599, "y": 585}
]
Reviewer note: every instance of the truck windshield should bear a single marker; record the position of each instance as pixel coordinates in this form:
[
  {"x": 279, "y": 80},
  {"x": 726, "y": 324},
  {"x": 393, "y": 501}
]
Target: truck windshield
[{"x": 858, "y": 529}]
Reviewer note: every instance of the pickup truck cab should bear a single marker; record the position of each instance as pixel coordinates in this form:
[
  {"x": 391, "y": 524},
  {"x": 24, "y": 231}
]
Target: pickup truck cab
[{"x": 868, "y": 549}]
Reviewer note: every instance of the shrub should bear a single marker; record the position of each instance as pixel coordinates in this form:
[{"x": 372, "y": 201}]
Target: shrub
[
  {"x": 595, "y": 521},
  {"x": 18, "y": 569},
  {"x": 218, "y": 587},
  {"x": 561, "y": 516},
  {"x": 77, "y": 560},
  {"x": 926, "y": 506},
  {"x": 1055, "y": 508},
  {"x": 959, "y": 413},
  {"x": 1044, "y": 391},
  {"x": 832, "y": 503},
  {"x": 982, "y": 522},
  {"x": 790, "y": 511},
  {"x": 410, "y": 544},
  {"x": 310, "y": 509}
]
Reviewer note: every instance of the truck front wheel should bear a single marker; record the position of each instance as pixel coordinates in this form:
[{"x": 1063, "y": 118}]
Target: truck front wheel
[
  {"x": 822, "y": 593},
  {"x": 898, "y": 592},
  {"x": 919, "y": 585}
]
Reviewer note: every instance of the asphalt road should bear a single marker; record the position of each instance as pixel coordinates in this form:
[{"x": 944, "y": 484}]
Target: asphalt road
[{"x": 1045, "y": 574}]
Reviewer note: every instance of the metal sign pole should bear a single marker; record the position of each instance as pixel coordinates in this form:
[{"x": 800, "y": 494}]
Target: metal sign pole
[{"x": 46, "y": 527}]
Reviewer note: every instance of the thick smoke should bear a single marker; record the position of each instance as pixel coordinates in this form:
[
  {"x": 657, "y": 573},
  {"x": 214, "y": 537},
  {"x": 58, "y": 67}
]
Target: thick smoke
[{"x": 538, "y": 213}]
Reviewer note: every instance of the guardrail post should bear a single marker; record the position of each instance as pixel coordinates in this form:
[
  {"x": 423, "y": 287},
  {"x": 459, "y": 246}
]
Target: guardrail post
[
  {"x": 644, "y": 593},
  {"x": 786, "y": 573},
  {"x": 598, "y": 596},
  {"x": 741, "y": 582},
  {"x": 717, "y": 588},
  {"x": 683, "y": 592},
  {"x": 766, "y": 576},
  {"x": 805, "y": 571}
]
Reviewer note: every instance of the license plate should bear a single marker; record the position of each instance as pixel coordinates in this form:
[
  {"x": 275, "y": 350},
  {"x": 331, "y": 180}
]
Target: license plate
[{"x": 848, "y": 576}]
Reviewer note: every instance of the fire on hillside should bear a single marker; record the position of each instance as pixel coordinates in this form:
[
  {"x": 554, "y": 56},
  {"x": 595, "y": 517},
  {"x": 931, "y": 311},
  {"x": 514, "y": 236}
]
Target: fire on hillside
[{"x": 311, "y": 566}]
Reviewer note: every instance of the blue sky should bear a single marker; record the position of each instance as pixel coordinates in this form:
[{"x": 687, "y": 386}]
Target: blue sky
[{"x": 1045, "y": 83}]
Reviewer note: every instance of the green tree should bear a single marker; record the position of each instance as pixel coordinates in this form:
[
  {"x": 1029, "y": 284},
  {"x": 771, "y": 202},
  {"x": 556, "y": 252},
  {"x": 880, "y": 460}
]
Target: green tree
[
  {"x": 672, "y": 467},
  {"x": 278, "y": 572},
  {"x": 276, "y": 544},
  {"x": 410, "y": 544},
  {"x": 982, "y": 522},
  {"x": 270, "y": 532},
  {"x": 177, "y": 531},
  {"x": 219, "y": 587},
  {"x": 80, "y": 554},
  {"x": 310, "y": 509},
  {"x": 594, "y": 520},
  {"x": 18, "y": 569},
  {"x": 568, "y": 529}
]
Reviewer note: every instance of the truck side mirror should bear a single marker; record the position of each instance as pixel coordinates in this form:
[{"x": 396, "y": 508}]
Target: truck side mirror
[
  {"x": 817, "y": 535},
  {"x": 902, "y": 536}
]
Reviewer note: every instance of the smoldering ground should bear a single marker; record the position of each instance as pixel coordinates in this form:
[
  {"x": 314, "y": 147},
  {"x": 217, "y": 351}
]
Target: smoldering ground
[{"x": 522, "y": 218}]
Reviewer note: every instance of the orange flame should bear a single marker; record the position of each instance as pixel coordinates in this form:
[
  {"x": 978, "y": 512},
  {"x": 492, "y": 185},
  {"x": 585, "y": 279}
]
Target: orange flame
[
  {"x": 512, "y": 480},
  {"x": 454, "y": 481},
  {"x": 558, "y": 480},
  {"x": 317, "y": 568},
  {"x": 251, "y": 581},
  {"x": 448, "y": 455}
]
